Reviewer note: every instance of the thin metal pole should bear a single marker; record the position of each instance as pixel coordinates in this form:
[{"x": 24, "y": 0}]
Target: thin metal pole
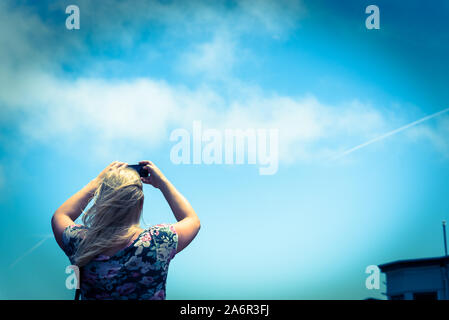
[
  {"x": 445, "y": 264},
  {"x": 445, "y": 241}
]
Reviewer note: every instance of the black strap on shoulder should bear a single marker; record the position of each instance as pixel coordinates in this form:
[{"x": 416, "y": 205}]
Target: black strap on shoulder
[{"x": 78, "y": 289}]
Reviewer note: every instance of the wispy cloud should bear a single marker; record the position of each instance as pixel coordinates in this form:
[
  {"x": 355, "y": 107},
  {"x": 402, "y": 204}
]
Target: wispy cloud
[
  {"x": 436, "y": 134},
  {"x": 213, "y": 59}
]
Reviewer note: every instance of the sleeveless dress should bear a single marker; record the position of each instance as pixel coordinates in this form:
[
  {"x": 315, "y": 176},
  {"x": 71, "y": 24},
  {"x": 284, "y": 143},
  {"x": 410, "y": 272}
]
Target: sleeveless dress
[{"x": 138, "y": 271}]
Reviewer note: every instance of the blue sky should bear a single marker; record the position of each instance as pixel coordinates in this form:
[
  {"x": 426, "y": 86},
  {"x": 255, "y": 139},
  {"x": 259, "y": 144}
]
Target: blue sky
[{"x": 73, "y": 101}]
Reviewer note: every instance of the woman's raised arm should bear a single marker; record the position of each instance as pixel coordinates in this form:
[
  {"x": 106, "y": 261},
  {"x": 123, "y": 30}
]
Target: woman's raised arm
[
  {"x": 72, "y": 208},
  {"x": 188, "y": 223}
]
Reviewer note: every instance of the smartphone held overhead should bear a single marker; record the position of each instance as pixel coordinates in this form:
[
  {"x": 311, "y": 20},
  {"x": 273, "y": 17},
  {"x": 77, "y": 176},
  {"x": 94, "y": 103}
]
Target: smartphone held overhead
[{"x": 140, "y": 168}]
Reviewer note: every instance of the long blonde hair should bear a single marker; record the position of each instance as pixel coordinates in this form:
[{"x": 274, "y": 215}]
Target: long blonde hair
[{"x": 114, "y": 216}]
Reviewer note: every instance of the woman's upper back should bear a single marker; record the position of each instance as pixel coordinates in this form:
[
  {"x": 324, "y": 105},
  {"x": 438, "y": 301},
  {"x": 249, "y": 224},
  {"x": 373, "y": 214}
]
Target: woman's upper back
[{"x": 138, "y": 271}]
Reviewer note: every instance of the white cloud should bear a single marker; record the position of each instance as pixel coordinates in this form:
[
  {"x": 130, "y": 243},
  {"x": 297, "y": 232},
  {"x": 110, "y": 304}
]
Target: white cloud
[
  {"x": 105, "y": 114},
  {"x": 437, "y": 135},
  {"x": 276, "y": 17},
  {"x": 214, "y": 59},
  {"x": 143, "y": 111}
]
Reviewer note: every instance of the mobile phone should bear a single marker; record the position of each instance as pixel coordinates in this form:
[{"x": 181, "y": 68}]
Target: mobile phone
[{"x": 140, "y": 169}]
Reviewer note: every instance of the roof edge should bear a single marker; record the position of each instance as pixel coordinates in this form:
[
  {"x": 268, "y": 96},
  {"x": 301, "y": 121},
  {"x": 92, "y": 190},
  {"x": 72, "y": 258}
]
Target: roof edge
[{"x": 413, "y": 263}]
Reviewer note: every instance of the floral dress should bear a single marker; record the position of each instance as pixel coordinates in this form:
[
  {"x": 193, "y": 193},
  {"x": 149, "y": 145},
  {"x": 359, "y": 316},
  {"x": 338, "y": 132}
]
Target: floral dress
[{"x": 138, "y": 271}]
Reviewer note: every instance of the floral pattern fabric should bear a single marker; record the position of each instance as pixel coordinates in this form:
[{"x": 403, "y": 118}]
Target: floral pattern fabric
[{"x": 138, "y": 271}]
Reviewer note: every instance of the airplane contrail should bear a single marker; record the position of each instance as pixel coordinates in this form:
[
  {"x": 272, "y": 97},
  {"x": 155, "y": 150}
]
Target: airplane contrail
[
  {"x": 37, "y": 245},
  {"x": 386, "y": 135}
]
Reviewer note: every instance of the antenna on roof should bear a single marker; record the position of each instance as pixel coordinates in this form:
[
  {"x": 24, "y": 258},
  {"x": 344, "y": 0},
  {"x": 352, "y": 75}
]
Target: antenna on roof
[{"x": 444, "y": 235}]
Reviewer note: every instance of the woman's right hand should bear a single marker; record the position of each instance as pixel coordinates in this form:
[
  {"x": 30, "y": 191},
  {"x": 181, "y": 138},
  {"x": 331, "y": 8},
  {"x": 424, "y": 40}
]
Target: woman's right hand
[{"x": 156, "y": 178}]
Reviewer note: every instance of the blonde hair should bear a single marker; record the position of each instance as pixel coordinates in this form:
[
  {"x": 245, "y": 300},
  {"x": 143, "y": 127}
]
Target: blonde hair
[{"x": 114, "y": 216}]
